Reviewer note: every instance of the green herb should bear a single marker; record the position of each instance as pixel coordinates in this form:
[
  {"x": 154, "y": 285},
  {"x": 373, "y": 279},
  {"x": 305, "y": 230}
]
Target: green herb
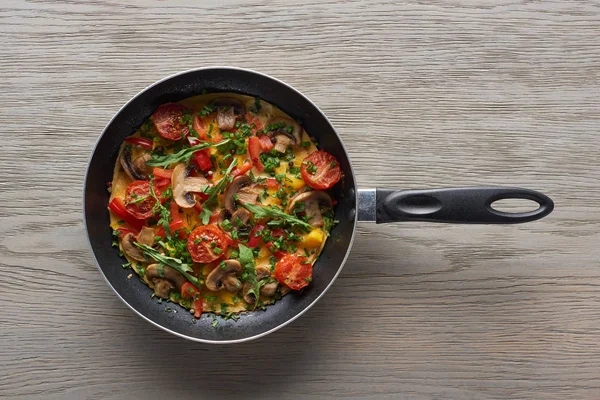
[
  {"x": 276, "y": 213},
  {"x": 168, "y": 309},
  {"x": 256, "y": 107},
  {"x": 175, "y": 263},
  {"x": 165, "y": 214},
  {"x": 332, "y": 165},
  {"x": 207, "y": 109},
  {"x": 227, "y": 225},
  {"x": 308, "y": 279},
  {"x": 205, "y": 215},
  {"x": 246, "y": 258},
  {"x": 215, "y": 321},
  {"x": 305, "y": 144},
  {"x": 210, "y": 298},
  {"x": 183, "y": 155},
  {"x": 218, "y": 188},
  {"x": 217, "y": 250},
  {"x": 310, "y": 167},
  {"x": 270, "y": 162},
  {"x": 126, "y": 265}
]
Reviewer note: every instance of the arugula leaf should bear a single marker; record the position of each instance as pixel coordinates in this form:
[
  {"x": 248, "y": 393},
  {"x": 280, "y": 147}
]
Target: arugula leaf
[
  {"x": 276, "y": 213},
  {"x": 219, "y": 187},
  {"x": 205, "y": 216},
  {"x": 246, "y": 258},
  {"x": 183, "y": 155},
  {"x": 175, "y": 263},
  {"x": 246, "y": 255},
  {"x": 165, "y": 214}
]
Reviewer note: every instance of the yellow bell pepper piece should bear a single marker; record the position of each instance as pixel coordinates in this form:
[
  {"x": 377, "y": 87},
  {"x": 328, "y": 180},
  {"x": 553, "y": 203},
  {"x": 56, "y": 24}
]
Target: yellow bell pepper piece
[{"x": 314, "y": 238}]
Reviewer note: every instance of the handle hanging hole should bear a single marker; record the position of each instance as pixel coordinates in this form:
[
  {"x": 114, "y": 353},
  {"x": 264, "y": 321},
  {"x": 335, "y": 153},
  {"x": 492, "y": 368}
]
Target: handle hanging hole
[{"x": 515, "y": 206}]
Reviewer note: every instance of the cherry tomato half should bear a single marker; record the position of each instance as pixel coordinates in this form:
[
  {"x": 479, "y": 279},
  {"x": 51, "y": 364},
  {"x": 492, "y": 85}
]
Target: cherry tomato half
[
  {"x": 291, "y": 272},
  {"x": 207, "y": 243},
  {"x": 138, "y": 201},
  {"x": 320, "y": 170},
  {"x": 167, "y": 119}
]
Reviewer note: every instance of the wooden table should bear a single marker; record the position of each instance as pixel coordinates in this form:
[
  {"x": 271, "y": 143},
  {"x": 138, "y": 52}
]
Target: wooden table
[{"x": 424, "y": 94}]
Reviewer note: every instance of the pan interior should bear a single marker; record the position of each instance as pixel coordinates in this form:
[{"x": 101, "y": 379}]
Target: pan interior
[{"x": 133, "y": 291}]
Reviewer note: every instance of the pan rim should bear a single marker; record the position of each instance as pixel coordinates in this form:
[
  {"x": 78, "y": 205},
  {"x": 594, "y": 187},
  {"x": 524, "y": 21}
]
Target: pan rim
[{"x": 164, "y": 328}]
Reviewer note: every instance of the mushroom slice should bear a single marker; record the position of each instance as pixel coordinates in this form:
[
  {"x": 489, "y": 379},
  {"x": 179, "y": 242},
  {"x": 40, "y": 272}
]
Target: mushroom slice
[
  {"x": 136, "y": 167},
  {"x": 225, "y": 276},
  {"x": 131, "y": 249},
  {"x": 245, "y": 190},
  {"x": 242, "y": 215},
  {"x": 164, "y": 279},
  {"x": 184, "y": 186},
  {"x": 286, "y": 132},
  {"x": 146, "y": 236},
  {"x": 268, "y": 289},
  {"x": 313, "y": 202},
  {"x": 229, "y": 111}
]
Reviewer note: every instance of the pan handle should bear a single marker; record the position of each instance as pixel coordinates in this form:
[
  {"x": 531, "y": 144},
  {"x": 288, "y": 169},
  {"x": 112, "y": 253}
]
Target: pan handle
[{"x": 461, "y": 205}]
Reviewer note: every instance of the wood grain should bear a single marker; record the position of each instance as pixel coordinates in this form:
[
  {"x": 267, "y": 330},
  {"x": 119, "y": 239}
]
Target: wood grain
[{"x": 425, "y": 94}]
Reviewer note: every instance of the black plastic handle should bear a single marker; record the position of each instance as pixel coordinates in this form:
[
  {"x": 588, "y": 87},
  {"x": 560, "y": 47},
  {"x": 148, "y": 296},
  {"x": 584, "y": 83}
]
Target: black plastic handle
[{"x": 464, "y": 205}]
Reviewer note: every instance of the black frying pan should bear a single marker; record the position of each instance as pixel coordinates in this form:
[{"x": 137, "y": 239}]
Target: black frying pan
[{"x": 468, "y": 205}]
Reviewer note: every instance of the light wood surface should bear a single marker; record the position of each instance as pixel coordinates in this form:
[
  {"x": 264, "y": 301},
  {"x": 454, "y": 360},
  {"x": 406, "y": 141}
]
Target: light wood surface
[{"x": 424, "y": 94}]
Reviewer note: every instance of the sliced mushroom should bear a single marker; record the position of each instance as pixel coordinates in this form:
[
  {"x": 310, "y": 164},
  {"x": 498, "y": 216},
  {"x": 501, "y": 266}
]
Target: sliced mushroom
[
  {"x": 248, "y": 297},
  {"x": 131, "y": 249},
  {"x": 223, "y": 215},
  {"x": 288, "y": 132},
  {"x": 184, "y": 186},
  {"x": 146, "y": 236},
  {"x": 269, "y": 289},
  {"x": 284, "y": 290},
  {"x": 229, "y": 110},
  {"x": 164, "y": 279},
  {"x": 135, "y": 167},
  {"x": 225, "y": 276},
  {"x": 246, "y": 192},
  {"x": 313, "y": 202},
  {"x": 242, "y": 215}
]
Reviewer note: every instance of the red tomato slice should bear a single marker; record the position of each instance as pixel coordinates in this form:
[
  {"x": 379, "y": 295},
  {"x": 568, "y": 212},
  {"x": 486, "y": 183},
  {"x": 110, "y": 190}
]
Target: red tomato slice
[
  {"x": 242, "y": 169},
  {"x": 138, "y": 201},
  {"x": 167, "y": 119},
  {"x": 291, "y": 272},
  {"x": 139, "y": 141},
  {"x": 320, "y": 170},
  {"x": 265, "y": 143},
  {"x": 204, "y": 240},
  {"x": 254, "y": 152}
]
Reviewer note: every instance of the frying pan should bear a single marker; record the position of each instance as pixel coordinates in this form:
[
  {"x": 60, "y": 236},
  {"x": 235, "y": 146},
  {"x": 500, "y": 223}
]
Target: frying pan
[{"x": 466, "y": 205}]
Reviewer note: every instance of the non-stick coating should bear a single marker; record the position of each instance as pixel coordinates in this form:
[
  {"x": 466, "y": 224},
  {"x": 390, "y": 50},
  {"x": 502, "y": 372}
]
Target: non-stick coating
[{"x": 135, "y": 293}]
